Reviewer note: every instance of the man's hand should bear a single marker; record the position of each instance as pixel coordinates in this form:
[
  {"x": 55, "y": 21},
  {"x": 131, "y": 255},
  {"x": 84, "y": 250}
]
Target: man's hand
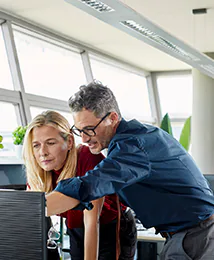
[{"x": 57, "y": 203}]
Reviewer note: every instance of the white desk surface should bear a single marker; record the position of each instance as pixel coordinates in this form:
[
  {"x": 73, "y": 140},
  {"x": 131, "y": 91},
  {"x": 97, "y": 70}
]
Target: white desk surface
[{"x": 149, "y": 235}]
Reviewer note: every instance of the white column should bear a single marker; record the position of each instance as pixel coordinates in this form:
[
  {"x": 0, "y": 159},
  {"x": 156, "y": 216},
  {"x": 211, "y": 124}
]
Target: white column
[{"x": 203, "y": 122}]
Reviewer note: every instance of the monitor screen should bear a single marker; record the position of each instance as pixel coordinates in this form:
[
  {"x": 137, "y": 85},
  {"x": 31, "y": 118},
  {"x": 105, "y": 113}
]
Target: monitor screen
[
  {"x": 22, "y": 229},
  {"x": 210, "y": 179}
]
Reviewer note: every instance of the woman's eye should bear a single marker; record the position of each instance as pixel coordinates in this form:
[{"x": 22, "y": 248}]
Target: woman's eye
[
  {"x": 35, "y": 146},
  {"x": 51, "y": 143}
]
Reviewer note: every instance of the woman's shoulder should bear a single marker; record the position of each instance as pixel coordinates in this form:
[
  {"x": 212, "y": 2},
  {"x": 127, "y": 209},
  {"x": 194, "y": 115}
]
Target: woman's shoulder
[
  {"x": 81, "y": 149},
  {"x": 86, "y": 160}
]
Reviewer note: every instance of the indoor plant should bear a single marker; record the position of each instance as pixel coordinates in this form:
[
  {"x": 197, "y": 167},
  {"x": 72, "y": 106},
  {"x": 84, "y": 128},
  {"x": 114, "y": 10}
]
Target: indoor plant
[
  {"x": 19, "y": 134},
  {"x": 185, "y": 136},
  {"x": 1, "y": 145},
  {"x": 18, "y": 137}
]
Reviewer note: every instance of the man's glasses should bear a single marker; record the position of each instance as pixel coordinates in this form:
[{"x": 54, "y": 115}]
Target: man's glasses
[
  {"x": 90, "y": 131},
  {"x": 53, "y": 237}
]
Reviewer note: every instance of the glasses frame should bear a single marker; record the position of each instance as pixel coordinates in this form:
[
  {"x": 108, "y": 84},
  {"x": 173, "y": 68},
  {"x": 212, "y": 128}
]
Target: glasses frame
[{"x": 91, "y": 129}]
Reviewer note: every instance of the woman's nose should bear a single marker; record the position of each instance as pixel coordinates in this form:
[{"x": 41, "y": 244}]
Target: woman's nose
[{"x": 43, "y": 150}]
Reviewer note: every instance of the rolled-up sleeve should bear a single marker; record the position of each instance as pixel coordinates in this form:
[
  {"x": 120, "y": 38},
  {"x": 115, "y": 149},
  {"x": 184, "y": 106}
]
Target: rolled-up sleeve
[{"x": 125, "y": 164}]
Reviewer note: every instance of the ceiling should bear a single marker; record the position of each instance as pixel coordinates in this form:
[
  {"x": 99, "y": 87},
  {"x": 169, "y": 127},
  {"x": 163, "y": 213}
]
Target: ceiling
[{"x": 174, "y": 18}]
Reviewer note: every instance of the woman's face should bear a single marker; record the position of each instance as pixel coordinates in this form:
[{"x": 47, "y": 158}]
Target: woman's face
[{"x": 49, "y": 148}]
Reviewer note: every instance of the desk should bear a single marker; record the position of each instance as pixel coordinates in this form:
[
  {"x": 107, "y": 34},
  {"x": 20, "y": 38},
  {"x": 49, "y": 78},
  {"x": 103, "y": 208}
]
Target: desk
[{"x": 149, "y": 235}]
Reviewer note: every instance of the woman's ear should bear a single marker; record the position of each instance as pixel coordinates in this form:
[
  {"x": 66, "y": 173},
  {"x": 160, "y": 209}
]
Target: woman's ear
[{"x": 70, "y": 142}]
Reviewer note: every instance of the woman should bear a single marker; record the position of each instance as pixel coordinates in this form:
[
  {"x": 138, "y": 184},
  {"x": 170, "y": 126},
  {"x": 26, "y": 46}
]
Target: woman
[{"x": 50, "y": 155}]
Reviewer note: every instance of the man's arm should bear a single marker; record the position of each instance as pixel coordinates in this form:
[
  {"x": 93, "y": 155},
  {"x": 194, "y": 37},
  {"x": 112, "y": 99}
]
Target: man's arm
[
  {"x": 125, "y": 164},
  {"x": 57, "y": 203}
]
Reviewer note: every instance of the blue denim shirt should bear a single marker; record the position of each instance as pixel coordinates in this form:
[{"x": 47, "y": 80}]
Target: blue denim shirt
[{"x": 153, "y": 175}]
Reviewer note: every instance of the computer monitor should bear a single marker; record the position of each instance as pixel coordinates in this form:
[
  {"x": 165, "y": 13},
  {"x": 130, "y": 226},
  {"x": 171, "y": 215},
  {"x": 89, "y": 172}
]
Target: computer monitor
[
  {"x": 22, "y": 225},
  {"x": 210, "y": 179}
]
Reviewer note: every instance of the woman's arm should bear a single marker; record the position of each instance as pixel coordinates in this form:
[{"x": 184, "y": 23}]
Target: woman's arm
[{"x": 91, "y": 224}]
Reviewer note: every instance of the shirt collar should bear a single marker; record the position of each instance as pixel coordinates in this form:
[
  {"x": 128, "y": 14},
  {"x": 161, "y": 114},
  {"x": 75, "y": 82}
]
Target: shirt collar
[
  {"x": 58, "y": 171},
  {"x": 122, "y": 126}
]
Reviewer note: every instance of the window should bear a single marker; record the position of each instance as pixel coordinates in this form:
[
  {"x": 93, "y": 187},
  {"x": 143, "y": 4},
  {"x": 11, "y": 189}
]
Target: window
[
  {"x": 177, "y": 128},
  {"x": 38, "y": 110},
  {"x": 47, "y": 69},
  {"x": 175, "y": 94},
  {"x": 5, "y": 79},
  {"x": 129, "y": 89},
  {"x": 7, "y": 110}
]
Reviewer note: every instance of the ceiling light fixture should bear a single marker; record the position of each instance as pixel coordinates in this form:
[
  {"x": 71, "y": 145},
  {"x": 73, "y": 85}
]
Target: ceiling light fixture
[
  {"x": 97, "y": 5},
  {"x": 158, "y": 39},
  {"x": 208, "y": 68},
  {"x": 136, "y": 25}
]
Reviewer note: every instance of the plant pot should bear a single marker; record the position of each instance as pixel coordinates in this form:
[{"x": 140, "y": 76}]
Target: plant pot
[{"x": 18, "y": 151}]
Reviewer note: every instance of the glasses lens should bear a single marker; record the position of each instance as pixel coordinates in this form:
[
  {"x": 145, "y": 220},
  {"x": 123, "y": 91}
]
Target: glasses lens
[
  {"x": 76, "y": 131},
  {"x": 89, "y": 132}
]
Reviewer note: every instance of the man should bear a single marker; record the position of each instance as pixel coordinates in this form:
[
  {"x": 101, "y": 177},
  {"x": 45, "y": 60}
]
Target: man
[{"x": 148, "y": 169}]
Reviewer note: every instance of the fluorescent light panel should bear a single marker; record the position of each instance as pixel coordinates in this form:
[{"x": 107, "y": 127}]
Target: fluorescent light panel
[
  {"x": 119, "y": 15},
  {"x": 97, "y": 5},
  {"x": 158, "y": 39},
  {"x": 208, "y": 67}
]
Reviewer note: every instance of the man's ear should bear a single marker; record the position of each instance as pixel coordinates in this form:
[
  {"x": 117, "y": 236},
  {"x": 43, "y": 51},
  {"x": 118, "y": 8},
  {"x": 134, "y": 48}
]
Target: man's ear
[{"x": 114, "y": 118}]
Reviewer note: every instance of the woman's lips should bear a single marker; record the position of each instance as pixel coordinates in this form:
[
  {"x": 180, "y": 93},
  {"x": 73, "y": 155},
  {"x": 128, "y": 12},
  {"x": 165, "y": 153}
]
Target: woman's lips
[{"x": 46, "y": 161}]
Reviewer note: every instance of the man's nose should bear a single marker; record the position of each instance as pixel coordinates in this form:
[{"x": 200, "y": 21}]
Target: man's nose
[{"x": 85, "y": 138}]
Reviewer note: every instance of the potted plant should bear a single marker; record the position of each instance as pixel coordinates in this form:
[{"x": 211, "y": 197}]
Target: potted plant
[
  {"x": 1, "y": 145},
  {"x": 185, "y": 136},
  {"x": 18, "y": 136}
]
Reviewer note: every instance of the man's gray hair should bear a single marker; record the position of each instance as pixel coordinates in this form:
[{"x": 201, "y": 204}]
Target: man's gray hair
[{"x": 94, "y": 97}]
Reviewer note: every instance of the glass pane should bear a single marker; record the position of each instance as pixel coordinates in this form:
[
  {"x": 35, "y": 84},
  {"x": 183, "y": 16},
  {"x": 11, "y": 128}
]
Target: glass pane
[
  {"x": 130, "y": 89},
  {"x": 5, "y": 79},
  {"x": 48, "y": 70},
  {"x": 38, "y": 110},
  {"x": 175, "y": 95},
  {"x": 7, "y": 110},
  {"x": 176, "y": 129}
]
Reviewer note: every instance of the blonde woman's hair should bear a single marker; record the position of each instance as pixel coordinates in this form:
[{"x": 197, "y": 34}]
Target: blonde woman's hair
[{"x": 37, "y": 178}]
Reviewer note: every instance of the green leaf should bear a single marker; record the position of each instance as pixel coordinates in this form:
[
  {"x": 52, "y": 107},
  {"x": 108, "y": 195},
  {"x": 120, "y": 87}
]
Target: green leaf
[
  {"x": 19, "y": 134},
  {"x": 185, "y": 136},
  {"x": 166, "y": 124},
  {"x": 1, "y": 145}
]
